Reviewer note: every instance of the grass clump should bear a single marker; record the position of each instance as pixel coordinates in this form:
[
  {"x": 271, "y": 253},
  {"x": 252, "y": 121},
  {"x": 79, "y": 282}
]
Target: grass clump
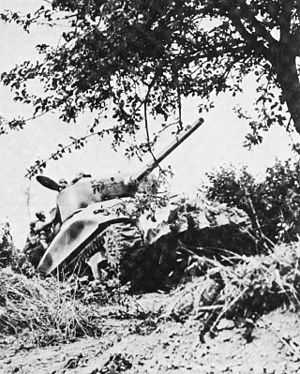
[{"x": 46, "y": 309}]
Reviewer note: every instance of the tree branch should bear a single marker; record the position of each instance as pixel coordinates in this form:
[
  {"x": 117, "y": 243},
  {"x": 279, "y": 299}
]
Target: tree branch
[
  {"x": 147, "y": 132},
  {"x": 249, "y": 37},
  {"x": 63, "y": 148},
  {"x": 260, "y": 30}
]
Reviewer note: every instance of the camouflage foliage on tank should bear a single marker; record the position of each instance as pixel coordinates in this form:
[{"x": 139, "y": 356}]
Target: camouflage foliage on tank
[{"x": 184, "y": 230}]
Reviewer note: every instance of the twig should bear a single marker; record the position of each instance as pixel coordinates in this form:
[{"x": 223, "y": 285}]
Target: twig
[
  {"x": 37, "y": 116},
  {"x": 148, "y": 136},
  {"x": 179, "y": 106},
  {"x": 262, "y": 235},
  {"x": 226, "y": 308},
  {"x": 29, "y": 174}
]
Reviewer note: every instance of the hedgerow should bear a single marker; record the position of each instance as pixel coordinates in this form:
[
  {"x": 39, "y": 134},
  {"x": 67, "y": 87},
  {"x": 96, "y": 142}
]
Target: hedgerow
[{"x": 273, "y": 204}]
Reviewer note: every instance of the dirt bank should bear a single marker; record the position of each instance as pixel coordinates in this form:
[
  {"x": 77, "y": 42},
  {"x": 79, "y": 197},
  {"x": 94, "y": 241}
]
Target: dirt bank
[{"x": 133, "y": 347}]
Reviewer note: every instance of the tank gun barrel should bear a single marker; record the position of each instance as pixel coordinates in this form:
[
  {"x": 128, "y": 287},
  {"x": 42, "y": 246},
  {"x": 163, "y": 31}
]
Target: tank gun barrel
[{"x": 179, "y": 140}]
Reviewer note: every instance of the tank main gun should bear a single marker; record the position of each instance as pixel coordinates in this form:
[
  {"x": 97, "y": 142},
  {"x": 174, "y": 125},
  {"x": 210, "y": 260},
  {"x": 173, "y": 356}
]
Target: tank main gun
[{"x": 179, "y": 140}]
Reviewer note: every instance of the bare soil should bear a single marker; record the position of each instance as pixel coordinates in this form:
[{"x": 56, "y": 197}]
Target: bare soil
[{"x": 130, "y": 346}]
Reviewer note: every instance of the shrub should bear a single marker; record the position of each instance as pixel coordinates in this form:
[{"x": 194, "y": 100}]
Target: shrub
[
  {"x": 6, "y": 245},
  {"x": 273, "y": 204}
]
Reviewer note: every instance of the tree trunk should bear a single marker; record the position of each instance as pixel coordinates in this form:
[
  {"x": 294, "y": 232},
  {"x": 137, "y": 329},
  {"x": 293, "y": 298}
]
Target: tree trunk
[{"x": 289, "y": 81}]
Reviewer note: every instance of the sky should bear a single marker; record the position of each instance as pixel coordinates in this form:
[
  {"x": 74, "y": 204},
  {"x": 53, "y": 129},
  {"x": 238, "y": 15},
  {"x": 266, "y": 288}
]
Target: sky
[{"x": 218, "y": 142}]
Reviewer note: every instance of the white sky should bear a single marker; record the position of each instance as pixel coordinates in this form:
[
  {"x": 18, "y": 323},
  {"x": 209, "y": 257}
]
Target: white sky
[{"x": 217, "y": 142}]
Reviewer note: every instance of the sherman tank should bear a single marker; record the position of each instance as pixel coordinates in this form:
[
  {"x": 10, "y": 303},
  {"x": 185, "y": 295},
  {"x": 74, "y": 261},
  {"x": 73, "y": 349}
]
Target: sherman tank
[{"x": 92, "y": 231}]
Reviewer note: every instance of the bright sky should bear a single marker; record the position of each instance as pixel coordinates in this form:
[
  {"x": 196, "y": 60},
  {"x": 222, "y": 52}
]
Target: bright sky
[{"x": 218, "y": 142}]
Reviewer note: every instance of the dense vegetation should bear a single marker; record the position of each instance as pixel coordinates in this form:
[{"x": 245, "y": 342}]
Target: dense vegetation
[{"x": 273, "y": 204}]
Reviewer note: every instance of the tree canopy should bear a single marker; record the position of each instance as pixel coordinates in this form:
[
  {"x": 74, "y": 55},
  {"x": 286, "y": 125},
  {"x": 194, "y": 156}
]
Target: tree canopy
[{"x": 141, "y": 58}]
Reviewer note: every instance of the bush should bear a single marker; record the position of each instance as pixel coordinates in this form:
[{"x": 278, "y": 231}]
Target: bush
[
  {"x": 6, "y": 245},
  {"x": 244, "y": 291},
  {"x": 273, "y": 205}
]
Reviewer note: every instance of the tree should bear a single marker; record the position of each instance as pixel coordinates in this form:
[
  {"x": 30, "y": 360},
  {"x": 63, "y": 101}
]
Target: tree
[{"x": 143, "y": 57}]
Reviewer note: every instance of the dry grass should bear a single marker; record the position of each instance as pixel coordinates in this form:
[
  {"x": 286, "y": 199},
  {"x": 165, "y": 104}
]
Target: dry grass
[
  {"x": 46, "y": 309},
  {"x": 251, "y": 286}
]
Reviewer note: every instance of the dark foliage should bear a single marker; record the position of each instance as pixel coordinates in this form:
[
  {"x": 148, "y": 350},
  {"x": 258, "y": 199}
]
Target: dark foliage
[
  {"x": 273, "y": 204},
  {"x": 7, "y": 249}
]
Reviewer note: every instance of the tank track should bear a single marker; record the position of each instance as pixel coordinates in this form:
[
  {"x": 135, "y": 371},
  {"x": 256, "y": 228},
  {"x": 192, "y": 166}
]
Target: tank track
[
  {"x": 78, "y": 264},
  {"x": 116, "y": 242}
]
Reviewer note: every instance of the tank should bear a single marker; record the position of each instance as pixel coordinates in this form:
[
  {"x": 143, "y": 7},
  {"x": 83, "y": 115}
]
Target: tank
[
  {"x": 88, "y": 235},
  {"x": 92, "y": 230}
]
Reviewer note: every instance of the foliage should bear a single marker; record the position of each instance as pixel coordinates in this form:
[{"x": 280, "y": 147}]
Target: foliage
[
  {"x": 273, "y": 204},
  {"x": 143, "y": 57},
  {"x": 12, "y": 257},
  {"x": 7, "y": 249},
  {"x": 150, "y": 194},
  {"x": 244, "y": 291}
]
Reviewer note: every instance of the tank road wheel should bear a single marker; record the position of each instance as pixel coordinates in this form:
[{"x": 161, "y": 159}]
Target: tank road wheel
[
  {"x": 86, "y": 262},
  {"x": 115, "y": 251}
]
